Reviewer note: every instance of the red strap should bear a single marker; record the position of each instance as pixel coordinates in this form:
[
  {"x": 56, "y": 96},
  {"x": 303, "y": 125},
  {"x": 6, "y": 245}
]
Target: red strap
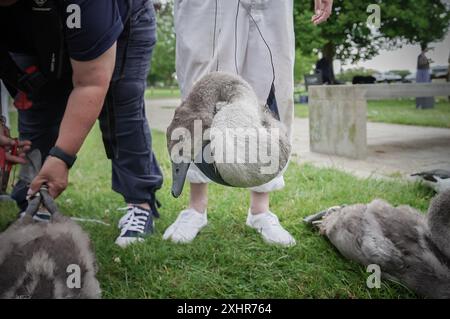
[
  {"x": 2, "y": 158},
  {"x": 13, "y": 152},
  {"x": 31, "y": 69},
  {"x": 5, "y": 132},
  {"x": 21, "y": 102}
]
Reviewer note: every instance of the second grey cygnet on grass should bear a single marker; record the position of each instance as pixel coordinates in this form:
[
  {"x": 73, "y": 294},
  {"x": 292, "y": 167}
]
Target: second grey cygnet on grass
[{"x": 408, "y": 246}]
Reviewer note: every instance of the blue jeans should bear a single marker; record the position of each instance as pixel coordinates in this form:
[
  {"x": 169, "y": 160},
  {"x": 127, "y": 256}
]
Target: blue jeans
[
  {"x": 125, "y": 130},
  {"x": 423, "y": 76}
]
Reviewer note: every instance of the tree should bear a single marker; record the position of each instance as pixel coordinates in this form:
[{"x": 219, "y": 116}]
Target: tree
[
  {"x": 304, "y": 64},
  {"x": 402, "y": 73},
  {"x": 347, "y": 36},
  {"x": 163, "y": 61}
]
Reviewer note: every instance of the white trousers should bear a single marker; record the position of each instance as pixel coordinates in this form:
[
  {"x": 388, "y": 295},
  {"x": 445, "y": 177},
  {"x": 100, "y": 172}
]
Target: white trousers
[{"x": 223, "y": 35}]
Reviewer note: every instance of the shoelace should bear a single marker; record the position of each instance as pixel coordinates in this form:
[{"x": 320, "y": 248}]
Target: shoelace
[{"x": 134, "y": 220}]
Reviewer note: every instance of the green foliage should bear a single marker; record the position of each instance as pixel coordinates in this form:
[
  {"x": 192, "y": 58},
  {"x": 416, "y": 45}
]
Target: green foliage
[
  {"x": 163, "y": 60},
  {"x": 304, "y": 64},
  {"x": 402, "y": 21},
  {"x": 307, "y": 36}
]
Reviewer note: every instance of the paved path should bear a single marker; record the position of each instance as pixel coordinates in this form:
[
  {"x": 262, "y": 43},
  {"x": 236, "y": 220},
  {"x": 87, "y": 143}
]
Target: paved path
[{"x": 393, "y": 149}]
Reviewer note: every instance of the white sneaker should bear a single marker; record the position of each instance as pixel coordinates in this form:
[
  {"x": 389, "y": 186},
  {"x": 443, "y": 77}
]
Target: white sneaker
[
  {"x": 186, "y": 227},
  {"x": 269, "y": 227}
]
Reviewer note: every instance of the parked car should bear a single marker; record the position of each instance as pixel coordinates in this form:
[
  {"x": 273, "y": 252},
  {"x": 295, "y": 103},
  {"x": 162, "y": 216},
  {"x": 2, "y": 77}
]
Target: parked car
[
  {"x": 411, "y": 78},
  {"x": 439, "y": 72},
  {"x": 363, "y": 79},
  {"x": 387, "y": 77}
]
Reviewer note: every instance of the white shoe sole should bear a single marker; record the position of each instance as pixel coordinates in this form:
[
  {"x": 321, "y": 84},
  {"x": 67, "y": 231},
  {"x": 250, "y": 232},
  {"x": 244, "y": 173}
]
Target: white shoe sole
[{"x": 127, "y": 241}]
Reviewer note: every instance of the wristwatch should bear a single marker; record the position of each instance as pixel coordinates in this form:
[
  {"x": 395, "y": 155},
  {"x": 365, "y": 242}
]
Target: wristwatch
[{"x": 63, "y": 156}]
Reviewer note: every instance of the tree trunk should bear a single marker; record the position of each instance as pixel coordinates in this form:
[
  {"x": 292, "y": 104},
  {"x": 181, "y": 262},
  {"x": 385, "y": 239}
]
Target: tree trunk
[{"x": 328, "y": 52}]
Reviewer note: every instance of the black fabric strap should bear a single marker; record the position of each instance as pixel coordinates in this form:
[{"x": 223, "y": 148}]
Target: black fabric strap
[
  {"x": 63, "y": 156},
  {"x": 208, "y": 168},
  {"x": 272, "y": 103},
  {"x": 47, "y": 35},
  {"x": 10, "y": 73}
]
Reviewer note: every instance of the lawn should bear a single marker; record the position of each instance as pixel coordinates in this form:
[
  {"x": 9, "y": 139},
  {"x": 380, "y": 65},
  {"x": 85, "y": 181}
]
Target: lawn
[
  {"x": 227, "y": 260},
  {"x": 162, "y": 93},
  {"x": 400, "y": 112}
]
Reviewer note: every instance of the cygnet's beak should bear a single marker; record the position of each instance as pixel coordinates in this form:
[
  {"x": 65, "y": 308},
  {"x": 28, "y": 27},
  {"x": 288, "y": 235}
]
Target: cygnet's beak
[
  {"x": 316, "y": 219},
  {"x": 179, "y": 172}
]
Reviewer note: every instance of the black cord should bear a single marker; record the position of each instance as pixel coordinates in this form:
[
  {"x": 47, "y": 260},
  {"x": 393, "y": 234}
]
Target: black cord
[
  {"x": 265, "y": 42},
  {"x": 261, "y": 35},
  {"x": 214, "y": 39},
  {"x": 235, "y": 37}
]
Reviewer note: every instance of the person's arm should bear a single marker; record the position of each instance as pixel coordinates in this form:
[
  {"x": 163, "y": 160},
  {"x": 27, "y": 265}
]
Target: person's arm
[{"x": 91, "y": 81}]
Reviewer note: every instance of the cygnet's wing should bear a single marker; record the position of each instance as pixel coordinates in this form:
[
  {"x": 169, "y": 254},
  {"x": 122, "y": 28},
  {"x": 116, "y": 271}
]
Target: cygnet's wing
[{"x": 400, "y": 235}]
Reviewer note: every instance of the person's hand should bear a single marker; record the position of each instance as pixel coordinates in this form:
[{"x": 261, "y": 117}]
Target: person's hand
[
  {"x": 23, "y": 148},
  {"x": 323, "y": 10},
  {"x": 55, "y": 174}
]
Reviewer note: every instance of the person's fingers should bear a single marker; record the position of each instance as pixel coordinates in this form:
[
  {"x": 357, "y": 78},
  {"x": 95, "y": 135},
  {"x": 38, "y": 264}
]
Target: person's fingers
[
  {"x": 323, "y": 9},
  {"x": 324, "y": 15},
  {"x": 322, "y": 18},
  {"x": 317, "y": 5},
  {"x": 23, "y": 150},
  {"x": 15, "y": 159},
  {"x": 36, "y": 185},
  {"x": 51, "y": 190},
  {"x": 5, "y": 141},
  {"x": 25, "y": 143},
  {"x": 55, "y": 190}
]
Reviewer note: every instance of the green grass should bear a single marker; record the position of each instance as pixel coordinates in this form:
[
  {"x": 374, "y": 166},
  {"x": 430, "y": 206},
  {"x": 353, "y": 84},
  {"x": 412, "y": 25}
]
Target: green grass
[
  {"x": 162, "y": 93},
  {"x": 227, "y": 260},
  {"x": 399, "y": 112}
]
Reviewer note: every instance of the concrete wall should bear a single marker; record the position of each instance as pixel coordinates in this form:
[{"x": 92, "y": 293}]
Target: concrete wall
[
  {"x": 338, "y": 113},
  {"x": 337, "y": 119}
]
